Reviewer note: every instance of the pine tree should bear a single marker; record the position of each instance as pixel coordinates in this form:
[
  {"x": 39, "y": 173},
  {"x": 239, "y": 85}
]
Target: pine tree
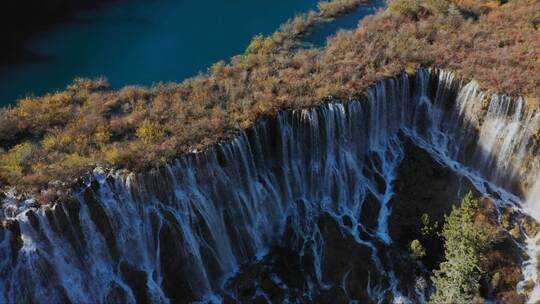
[{"x": 458, "y": 277}]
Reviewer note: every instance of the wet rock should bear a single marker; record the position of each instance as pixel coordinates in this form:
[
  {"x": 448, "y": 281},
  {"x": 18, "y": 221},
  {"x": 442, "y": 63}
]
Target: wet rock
[
  {"x": 369, "y": 213},
  {"x": 72, "y": 209},
  {"x": 347, "y": 221},
  {"x": 137, "y": 281},
  {"x": 289, "y": 272},
  {"x": 177, "y": 282},
  {"x": 63, "y": 297},
  {"x": 117, "y": 294},
  {"x": 62, "y": 223},
  {"x": 32, "y": 219},
  {"x": 101, "y": 220},
  {"x": 333, "y": 295},
  {"x": 16, "y": 241},
  {"x": 372, "y": 167},
  {"x": 49, "y": 215}
]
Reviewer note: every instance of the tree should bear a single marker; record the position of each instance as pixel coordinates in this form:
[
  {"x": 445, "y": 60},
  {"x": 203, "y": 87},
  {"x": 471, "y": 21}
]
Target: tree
[{"x": 458, "y": 277}]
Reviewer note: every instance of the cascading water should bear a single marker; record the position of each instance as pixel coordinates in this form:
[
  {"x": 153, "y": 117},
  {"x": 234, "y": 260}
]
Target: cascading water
[{"x": 183, "y": 232}]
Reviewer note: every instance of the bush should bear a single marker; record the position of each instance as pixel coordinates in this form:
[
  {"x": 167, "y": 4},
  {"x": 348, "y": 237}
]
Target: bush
[
  {"x": 417, "y": 250},
  {"x": 413, "y": 8},
  {"x": 406, "y": 7},
  {"x": 13, "y": 162},
  {"x": 89, "y": 85},
  {"x": 458, "y": 277},
  {"x": 333, "y": 8},
  {"x": 438, "y": 6},
  {"x": 150, "y": 132}
]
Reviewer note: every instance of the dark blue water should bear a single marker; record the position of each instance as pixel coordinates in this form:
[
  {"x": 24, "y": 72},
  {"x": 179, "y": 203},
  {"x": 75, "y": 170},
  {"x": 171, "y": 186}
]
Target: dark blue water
[
  {"x": 148, "y": 41},
  {"x": 323, "y": 31}
]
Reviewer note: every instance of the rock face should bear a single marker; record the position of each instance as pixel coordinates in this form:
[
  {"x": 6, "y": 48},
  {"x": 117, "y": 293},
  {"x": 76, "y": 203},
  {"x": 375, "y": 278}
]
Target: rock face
[
  {"x": 423, "y": 186},
  {"x": 316, "y": 205}
]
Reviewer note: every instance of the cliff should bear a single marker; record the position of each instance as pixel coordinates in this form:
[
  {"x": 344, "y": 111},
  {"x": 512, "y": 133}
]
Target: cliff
[{"x": 322, "y": 207}]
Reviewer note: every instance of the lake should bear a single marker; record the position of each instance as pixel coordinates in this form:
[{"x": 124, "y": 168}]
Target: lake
[{"x": 143, "y": 41}]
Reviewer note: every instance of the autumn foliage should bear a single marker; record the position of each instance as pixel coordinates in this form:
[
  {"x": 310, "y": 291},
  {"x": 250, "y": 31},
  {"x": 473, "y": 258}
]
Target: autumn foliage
[{"x": 60, "y": 136}]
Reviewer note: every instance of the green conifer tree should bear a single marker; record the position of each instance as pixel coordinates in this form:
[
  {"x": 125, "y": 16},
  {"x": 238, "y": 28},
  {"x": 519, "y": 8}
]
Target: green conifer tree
[{"x": 458, "y": 278}]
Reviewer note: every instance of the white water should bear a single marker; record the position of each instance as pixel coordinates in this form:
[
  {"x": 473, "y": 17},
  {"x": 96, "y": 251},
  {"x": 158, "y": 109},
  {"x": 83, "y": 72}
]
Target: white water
[{"x": 189, "y": 226}]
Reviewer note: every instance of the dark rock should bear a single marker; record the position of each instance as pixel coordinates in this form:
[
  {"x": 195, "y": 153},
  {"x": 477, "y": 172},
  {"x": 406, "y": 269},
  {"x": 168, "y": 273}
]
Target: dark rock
[
  {"x": 175, "y": 271},
  {"x": 100, "y": 219},
  {"x": 117, "y": 294},
  {"x": 347, "y": 221},
  {"x": 369, "y": 214},
  {"x": 72, "y": 209},
  {"x": 60, "y": 222},
  {"x": 16, "y": 241},
  {"x": 334, "y": 295},
  {"x": 343, "y": 261},
  {"x": 63, "y": 297},
  {"x": 137, "y": 281},
  {"x": 423, "y": 186},
  {"x": 32, "y": 219}
]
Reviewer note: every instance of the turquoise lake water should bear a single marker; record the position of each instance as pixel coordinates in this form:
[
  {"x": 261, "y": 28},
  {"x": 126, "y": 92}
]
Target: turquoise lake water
[{"x": 148, "y": 41}]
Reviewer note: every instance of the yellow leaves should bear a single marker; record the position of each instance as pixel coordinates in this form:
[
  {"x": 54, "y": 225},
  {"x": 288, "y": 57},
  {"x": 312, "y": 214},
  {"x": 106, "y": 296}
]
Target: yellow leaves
[
  {"x": 217, "y": 68},
  {"x": 323, "y": 92},
  {"x": 102, "y": 135},
  {"x": 76, "y": 160},
  {"x": 56, "y": 140},
  {"x": 492, "y": 4},
  {"x": 24, "y": 107},
  {"x": 71, "y": 166},
  {"x": 41, "y": 113},
  {"x": 150, "y": 132},
  {"x": 12, "y": 162},
  {"x": 89, "y": 85},
  {"x": 405, "y": 7},
  {"x": 113, "y": 156},
  {"x": 256, "y": 44},
  {"x": 261, "y": 45}
]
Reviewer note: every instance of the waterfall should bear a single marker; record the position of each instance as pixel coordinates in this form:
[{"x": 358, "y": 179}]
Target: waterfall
[{"x": 179, "y": 233}]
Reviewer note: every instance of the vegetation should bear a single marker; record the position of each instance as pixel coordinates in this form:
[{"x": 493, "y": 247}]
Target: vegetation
[
  {"x": 417, "y": 250},
  {"x": 67, "y": 133},
  {"x": 458, "y": 278}
]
